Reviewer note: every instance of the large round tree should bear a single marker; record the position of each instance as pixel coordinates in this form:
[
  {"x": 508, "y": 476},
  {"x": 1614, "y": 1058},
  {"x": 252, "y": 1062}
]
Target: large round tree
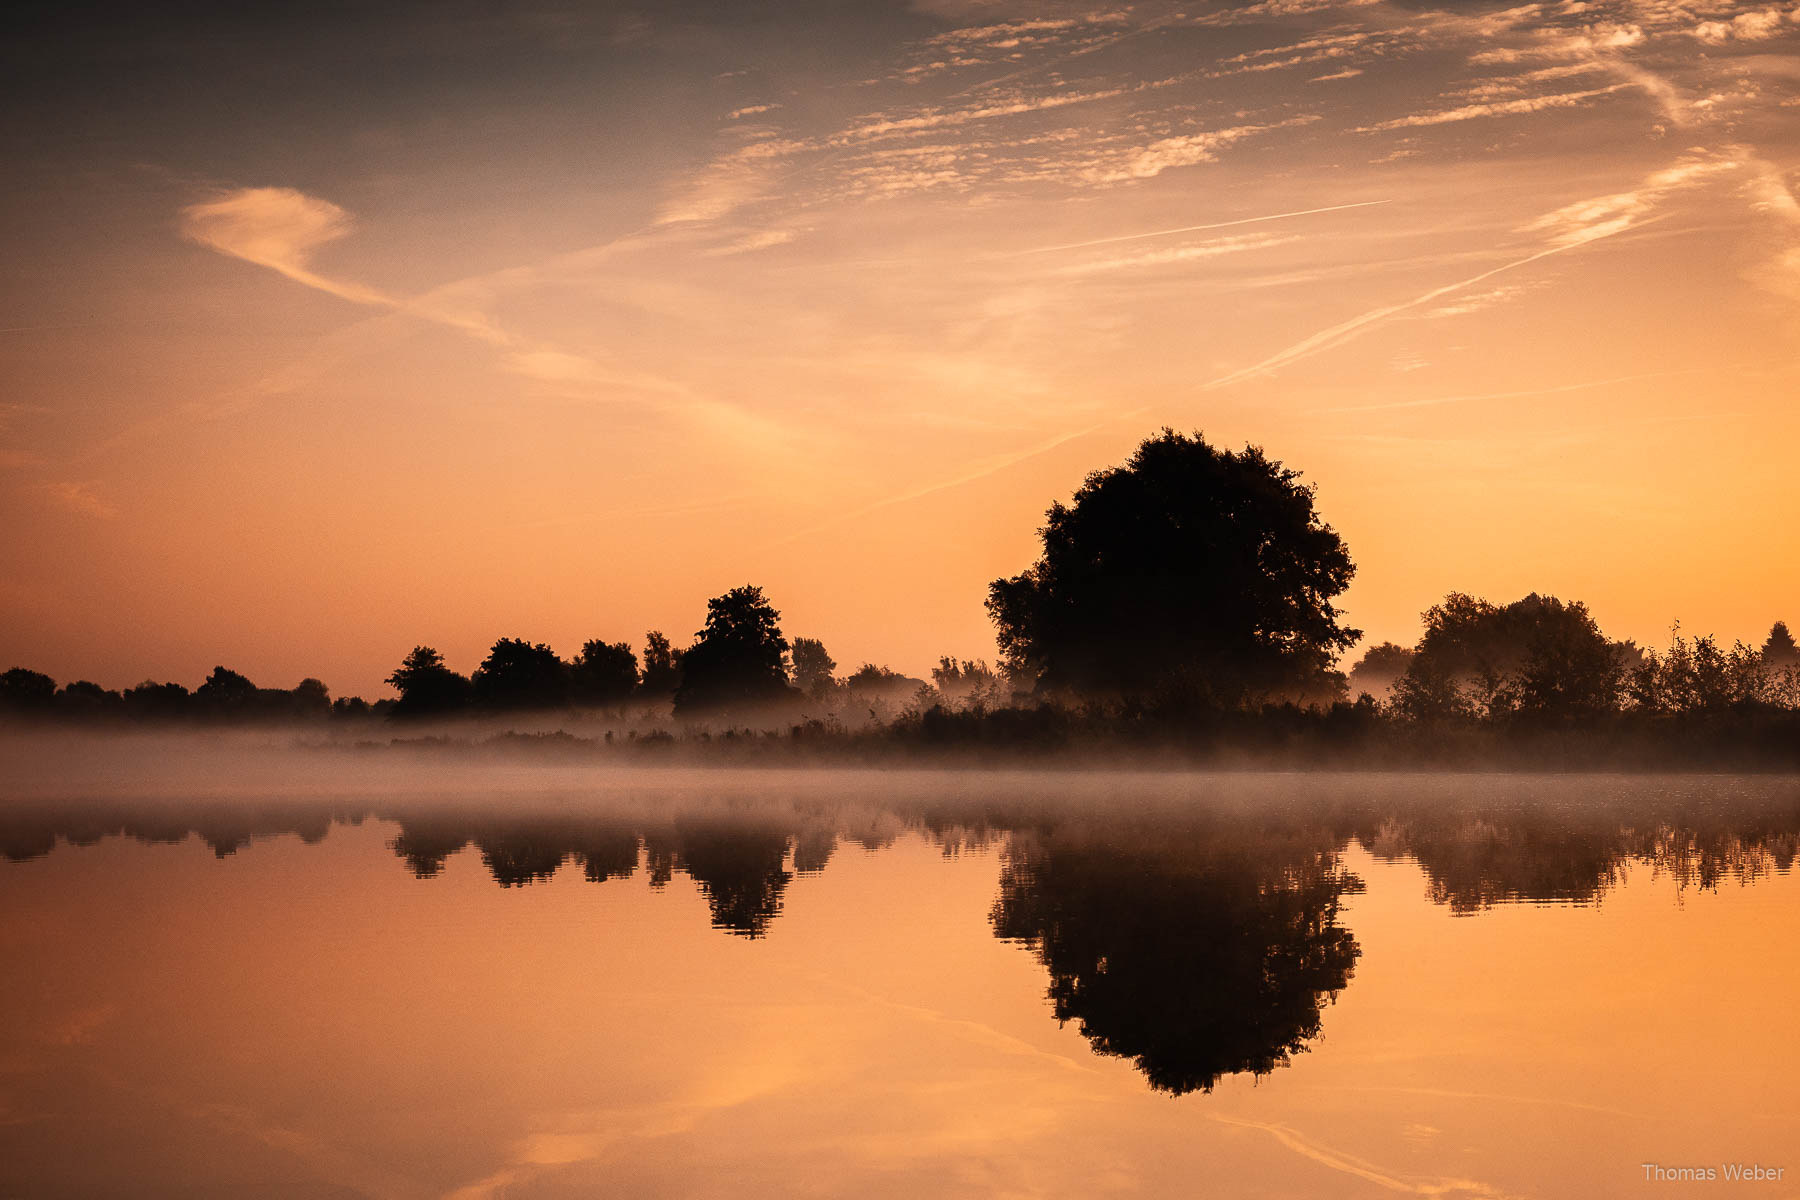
[{"x": 1188, "y": 571}]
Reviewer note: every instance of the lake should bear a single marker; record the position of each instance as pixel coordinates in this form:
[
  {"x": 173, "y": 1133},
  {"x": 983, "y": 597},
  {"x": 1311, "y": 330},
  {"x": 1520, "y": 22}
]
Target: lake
[{"x": 403, "y": 977}]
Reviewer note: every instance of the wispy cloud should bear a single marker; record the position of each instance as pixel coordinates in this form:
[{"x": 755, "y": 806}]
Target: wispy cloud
[
  {"x": 1177, "y": 254},
  {"x": 1496, "y": 108},
  {"x": 1566, "y": 228},
  {"x": 1157, "y": 233},
  {"x": 278, "y": 228}
]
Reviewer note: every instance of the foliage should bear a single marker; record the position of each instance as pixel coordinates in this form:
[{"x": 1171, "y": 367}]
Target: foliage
[
  {"x": 1536, "y": 658},
  {"x": 662, "y": 667},
  {"x": 739, "y": 658},
  {"x": 517, "y": 674},
  {"x": 1190, "y": 570},
  {"x": 427, "y": 687},
  {"x": 813, "y": 668},
  {"x": 1379, "y": 668},
  {"x": 604, "y": 674}
]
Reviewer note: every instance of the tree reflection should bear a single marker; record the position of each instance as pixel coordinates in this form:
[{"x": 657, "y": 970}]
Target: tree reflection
[
  {"x": 1197, "y": 955},
  {"x": 1197, "y": 932}
]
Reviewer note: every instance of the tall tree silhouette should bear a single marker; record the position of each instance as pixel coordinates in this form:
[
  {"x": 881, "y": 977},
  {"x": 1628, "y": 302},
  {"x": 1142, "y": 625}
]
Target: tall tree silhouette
[
  {"x": 427, "y": 687},
  {"x": 1779, "y": 650},
  {"x": 1189, "y": 569},
  {"x": 739, "y": 658},
  {"x": 813, "y": 667},
  {"x": 662, "y": 667}
]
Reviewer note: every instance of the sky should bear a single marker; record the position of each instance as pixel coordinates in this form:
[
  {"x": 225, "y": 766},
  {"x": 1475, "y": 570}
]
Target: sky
[{"x": 332, "y": 331}]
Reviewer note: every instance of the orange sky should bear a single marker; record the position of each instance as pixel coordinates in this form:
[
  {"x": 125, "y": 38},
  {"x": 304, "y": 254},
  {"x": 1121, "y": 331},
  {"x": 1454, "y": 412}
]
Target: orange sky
[{"x": 324, "y": 339}]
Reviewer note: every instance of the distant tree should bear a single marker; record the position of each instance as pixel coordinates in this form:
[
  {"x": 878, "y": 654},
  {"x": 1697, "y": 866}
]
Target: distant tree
[
  {"x": 1189, "y": 570},
  {"x": 84, "y": 700},
  {"x": 956, "y": 678},
  {"x": 604, "y": 674},
  {"x": 517, "y": 674},
  {"x": 427, "y": 687},
  {"x": 813, "y": 667},
  {"x": 871, "y": 680},
  {"x": 662, "y": 667},
  {"x": 1695, "y": 675},
  {"x": 25, "y": 692},
  {"x": 226, "y": 694},
  {"x": 310, "y": 698},
  {"x": 739, "y": 658},
  {"x": 1379, "y": 667},
  {"x": 1779, "y": 650},
  {"x": 1536, "y": 658},
  {"x": 154, "y": 701},
  {"x": 350, "y": 708}
]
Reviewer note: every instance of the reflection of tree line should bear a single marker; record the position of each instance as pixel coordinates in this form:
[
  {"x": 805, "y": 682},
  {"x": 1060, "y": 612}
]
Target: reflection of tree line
[{"x": 1198, "y": 941}]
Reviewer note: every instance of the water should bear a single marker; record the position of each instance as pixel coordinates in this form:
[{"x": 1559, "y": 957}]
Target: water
[{"x": 512, "y": 981}]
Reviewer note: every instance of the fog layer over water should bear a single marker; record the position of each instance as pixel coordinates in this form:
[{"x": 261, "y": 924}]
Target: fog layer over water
[{"x": 468, "y": 976}]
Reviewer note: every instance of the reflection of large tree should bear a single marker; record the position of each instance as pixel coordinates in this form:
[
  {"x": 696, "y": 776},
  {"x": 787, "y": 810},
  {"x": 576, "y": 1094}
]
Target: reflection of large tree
[
  {"x": 740, "y": 867},
  {"x": 1196, "y": 956}
]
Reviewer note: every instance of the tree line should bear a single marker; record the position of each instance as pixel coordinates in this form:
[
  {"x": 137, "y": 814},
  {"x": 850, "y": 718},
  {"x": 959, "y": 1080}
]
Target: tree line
[{"x": 1188, "y": 583}]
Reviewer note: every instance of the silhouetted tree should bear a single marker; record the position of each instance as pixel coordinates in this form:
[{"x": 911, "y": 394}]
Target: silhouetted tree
[
  {"x": 519, "y": 675},
  {"x": 1379, "y": 667},
  {"x": 310, "y": 699},
  {"x": 350, "y": 708},
  {"x": 1188, "y": 571},
  {"x": 1779, "y": 650},
  {"x": 1695, "y": 675},
  {"x": 955, "y": 678},
  {"x": 427, "y": 687},
  {"x": 813, "y": 668},
  {"x": 739, "y": 658},
  {"x": 604, "y": 674},
  {"x": 226, "y": 694},
  {"x": 85, "y": 700},
  {"x": 154, "y": 701},
  {"x": 1536, "y": 657},
  {"x": 662, "y": 667},
  {"x": 26, "y": 692}
]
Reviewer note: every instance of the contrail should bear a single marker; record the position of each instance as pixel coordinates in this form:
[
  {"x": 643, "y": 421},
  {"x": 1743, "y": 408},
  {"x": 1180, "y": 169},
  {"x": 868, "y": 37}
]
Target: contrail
[
  {"x": 1133, "y": 237},
  {"x": 1327, "y": 338},
  {"x": 1515, "y": 395}
]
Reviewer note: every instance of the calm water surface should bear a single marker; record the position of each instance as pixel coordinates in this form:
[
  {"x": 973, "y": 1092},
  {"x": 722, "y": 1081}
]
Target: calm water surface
[{"x": 542, "y": 983}]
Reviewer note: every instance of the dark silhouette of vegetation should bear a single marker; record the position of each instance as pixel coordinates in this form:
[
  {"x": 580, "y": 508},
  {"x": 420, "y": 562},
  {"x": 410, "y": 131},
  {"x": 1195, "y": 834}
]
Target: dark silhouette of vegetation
[
  {"x": 1191, "y": 572},
  {"x": 662, "y": 667},
  {"x": 738, "y": 659},
  {"x": 1182, "y": 607},
  {"x": 1536, "y": 658},
  {"x": 1380, "y": 667},
  {"x": 813, "y": 668},
  {"x": 28, "y": 693},
  {"x": 604, "y": 675},
  {"x": 427, "y": 687},
  {"x": 1779, "y": 651},
  {"x": 519, "y": 675}
]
